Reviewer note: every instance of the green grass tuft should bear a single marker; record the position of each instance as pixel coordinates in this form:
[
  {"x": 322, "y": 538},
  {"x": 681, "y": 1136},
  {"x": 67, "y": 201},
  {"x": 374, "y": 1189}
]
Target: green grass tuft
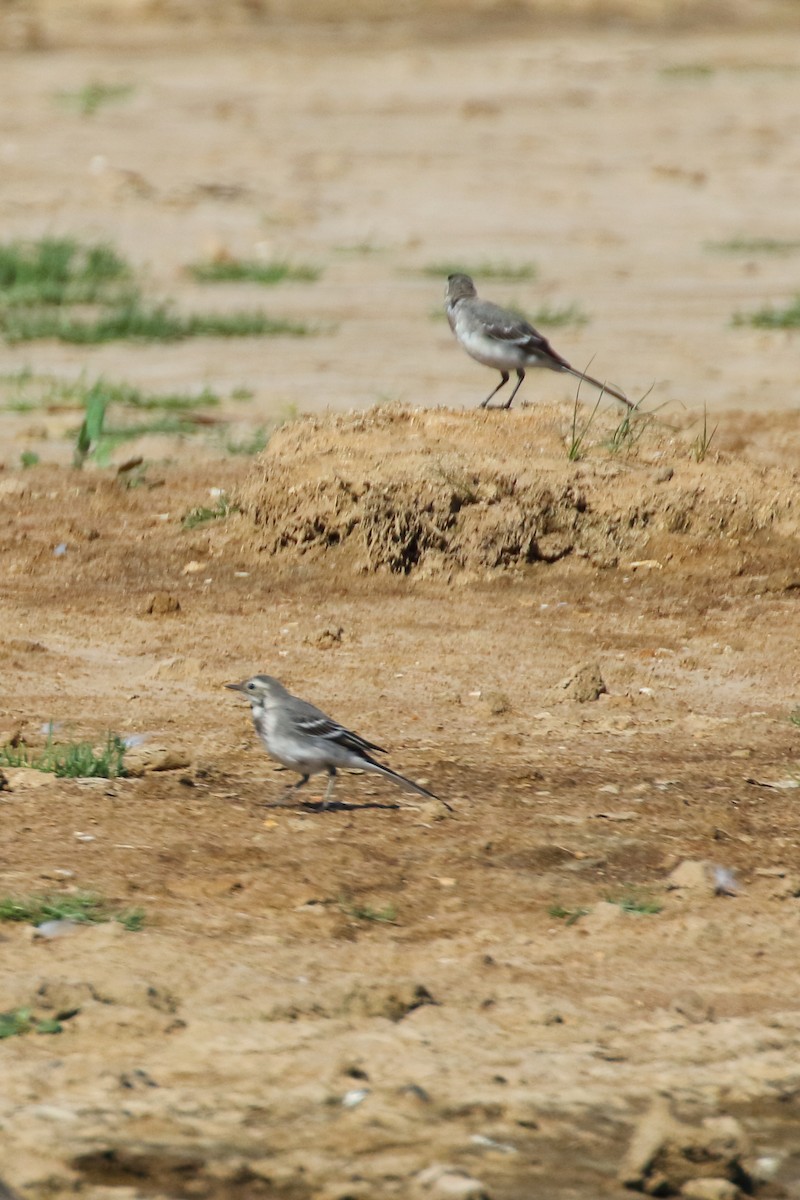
[
  {"x": 17, "y": 1021},
  {"x": 171, "y": 413},
  {"x": 553, "y": 316},
  {"x": 757, "y": 245},
  {"x": 702, "y": 443},
  {"x": 59, "y": 271},
  {"x": 687, "y": 71},
  {"x": 568, "y": 915},
  {"x": 201, "y": 514},
  {"x": 580, "y": 430},
  {"x": 132, "y": 919},
  {"x": 91, "y": 429},
  {"x": 28, "y": 392},
  {"x": 632, "y": 425},
  {"x": 633, "y": 901},
  {"x": 84, "y": 908},
  {"x": 135, "y": 320},
  {"x": 248, "y": 446},
  {"x": 94, "y": 95},
  {"x": 97, "y": 438},
  {"x": 131, "y": 397},
  {"x": 772, "y": 318},
  {"x": 502, "y": 271},
  {"x": 28, "y": 458},
  {"x": 252, "y": 271},
  {"x": 71, "y": 760},
  {"x": 42, "y": 283}
]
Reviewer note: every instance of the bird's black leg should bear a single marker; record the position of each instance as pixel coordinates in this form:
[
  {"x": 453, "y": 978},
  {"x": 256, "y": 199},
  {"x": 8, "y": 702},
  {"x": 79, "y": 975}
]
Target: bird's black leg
[
  {"x": 502, "y": 383},
  {"x": 520, "y": 377},
  {"x": 302, "y": 781},
  {"x": 328, "y": 797}
]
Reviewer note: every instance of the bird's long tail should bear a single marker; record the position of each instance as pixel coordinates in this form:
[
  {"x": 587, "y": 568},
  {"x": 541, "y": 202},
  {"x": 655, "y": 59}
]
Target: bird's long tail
[
  {"x": 407, "y": 784},
  {"x": 601, "y": 387}
]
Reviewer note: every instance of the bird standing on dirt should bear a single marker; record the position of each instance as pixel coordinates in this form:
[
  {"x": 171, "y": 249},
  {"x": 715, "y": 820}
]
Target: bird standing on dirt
[
  {"x": 305, "y": 740},
  {"x": 501, "y": 339}
]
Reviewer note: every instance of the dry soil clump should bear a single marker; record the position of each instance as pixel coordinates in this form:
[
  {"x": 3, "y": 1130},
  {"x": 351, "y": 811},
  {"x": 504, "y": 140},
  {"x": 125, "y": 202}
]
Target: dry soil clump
[{"x": 406, "y": 490}]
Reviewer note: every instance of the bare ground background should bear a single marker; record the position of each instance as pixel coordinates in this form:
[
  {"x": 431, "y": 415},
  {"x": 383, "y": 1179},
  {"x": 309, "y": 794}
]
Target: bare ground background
[{"x": 431, "y": 576}]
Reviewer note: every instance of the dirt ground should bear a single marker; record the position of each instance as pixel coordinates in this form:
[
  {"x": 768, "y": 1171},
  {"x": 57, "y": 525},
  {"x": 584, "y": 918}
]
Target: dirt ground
[{"x": 387, "y": 999}]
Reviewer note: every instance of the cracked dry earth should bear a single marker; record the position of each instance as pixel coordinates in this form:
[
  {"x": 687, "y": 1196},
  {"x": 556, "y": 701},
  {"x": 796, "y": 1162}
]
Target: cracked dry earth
[{"x": 331, "y": 1003}]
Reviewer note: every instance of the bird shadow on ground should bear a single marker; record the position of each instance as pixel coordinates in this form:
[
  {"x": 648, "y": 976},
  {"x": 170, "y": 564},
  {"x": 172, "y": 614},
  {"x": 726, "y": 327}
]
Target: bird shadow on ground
[{"x": 334, "y": 806}]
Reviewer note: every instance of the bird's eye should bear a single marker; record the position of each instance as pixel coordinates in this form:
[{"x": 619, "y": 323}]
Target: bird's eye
[{"x": 251, "y": 687}]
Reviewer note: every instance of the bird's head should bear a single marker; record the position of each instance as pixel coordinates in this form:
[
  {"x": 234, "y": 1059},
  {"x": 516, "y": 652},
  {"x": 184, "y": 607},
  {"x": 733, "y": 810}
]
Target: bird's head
[
  {"x": 459, "y": 287},
  {"x": 260, "y": 690}
]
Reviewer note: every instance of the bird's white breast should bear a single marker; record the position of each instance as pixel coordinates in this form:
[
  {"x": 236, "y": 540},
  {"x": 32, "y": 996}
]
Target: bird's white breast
[
  {"x": 299, "y": 754},
  {"x": 492, "y": 352}
]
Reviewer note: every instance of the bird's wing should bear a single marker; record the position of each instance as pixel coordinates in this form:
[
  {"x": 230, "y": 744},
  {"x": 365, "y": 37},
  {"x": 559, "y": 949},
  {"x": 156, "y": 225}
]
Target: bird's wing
[
  {"x": 506, "y": 326},
  {"x": 314, "y": 723}
]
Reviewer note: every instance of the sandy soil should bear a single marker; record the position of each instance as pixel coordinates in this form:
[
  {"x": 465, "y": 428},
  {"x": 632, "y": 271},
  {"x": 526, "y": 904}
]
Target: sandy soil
[{"x": 264, "y": 1034}]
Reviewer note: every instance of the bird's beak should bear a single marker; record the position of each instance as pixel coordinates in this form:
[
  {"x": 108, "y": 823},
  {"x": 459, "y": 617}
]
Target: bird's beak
[{"x": 236, "y": 687}]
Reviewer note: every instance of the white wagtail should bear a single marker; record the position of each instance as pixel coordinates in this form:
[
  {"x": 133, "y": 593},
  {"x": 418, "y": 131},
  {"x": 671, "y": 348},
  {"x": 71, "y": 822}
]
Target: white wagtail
[
  {"x": 305, "y": 740},
  {"x": 501, "y": 339}
]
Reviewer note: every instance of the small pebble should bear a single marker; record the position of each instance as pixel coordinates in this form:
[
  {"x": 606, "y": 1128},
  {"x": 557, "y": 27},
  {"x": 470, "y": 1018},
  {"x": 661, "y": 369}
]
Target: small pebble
[
  {"x": 55, "y": 929},
  {"x": 725, "y": 882}
]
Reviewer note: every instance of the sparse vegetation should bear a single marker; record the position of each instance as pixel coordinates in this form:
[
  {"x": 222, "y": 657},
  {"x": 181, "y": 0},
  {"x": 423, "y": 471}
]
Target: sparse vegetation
[
  {"x": 702, "y": 443},
  {"x": 131, "y": 397},
  {"x": 94, "y": 95},
  {"x": 632, "y": 425},
  {"x": 84, "y": 908},
  {"x": 634, "y": 901},
  {"x": 365, "y": 912},
  {"x": 96, "y": 438},
  {"x": 28, "y": 392},
  {"x": 547, "y": 315},
  {"x": 237, "y": 270},
  {"x": 132, "y": 919},
  {"x": 553, "y": 317},
  {"x": 754, "y": 245},
  {"x": 42, "y": 282},
  {"x": 70, "y": 760},
  {"x": 17, "y": 1021},
  {"x": 687, "y": 71},
  {"x": 247, "y": 446},
  {"x": 54, "y": 272},
  {"x": 359, "y": 248},
  {"x": 568, "y": 915},
  {"x": 256, "y": 441},
  {"x": 173, "y": 413},
  {"x": 502, "y": 271},
  {"x": 580, "y": 431},
  {"x": 772, "y": 318},
  {"x": 201, "y": 514},
  {"x": 631, "y": 900},
  {"x": 91, "y": 429},
  {"x": 135, "y": 320},
  {"x": 28, "y": 458}
]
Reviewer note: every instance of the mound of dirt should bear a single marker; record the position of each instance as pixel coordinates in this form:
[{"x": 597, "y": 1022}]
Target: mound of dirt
[{"x": 407, "y": 490}]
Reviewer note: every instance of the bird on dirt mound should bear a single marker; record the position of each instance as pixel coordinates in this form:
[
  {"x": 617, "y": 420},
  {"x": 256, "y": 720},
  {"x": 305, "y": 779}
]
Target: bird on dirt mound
[
  {"x": 502, "y": 339},
  {"x": 307, "y": 741}
]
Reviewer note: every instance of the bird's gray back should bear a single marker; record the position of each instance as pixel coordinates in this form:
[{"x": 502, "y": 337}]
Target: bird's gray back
[{"x": 486, "y": 317}]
